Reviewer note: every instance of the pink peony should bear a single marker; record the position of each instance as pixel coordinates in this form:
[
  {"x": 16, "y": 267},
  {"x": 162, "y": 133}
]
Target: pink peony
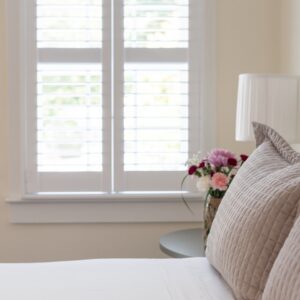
[
  {"x": 219, "y": 181},
  {"x": 220, "y": 157}
]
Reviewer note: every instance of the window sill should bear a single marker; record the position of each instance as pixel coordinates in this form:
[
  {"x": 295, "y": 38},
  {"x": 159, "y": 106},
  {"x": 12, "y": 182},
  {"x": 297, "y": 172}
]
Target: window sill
[{"x": 104, "y": 208}]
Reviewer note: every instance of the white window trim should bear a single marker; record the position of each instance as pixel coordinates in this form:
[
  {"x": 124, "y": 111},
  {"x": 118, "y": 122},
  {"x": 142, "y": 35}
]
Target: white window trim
[{"x": 98, "y": 207}]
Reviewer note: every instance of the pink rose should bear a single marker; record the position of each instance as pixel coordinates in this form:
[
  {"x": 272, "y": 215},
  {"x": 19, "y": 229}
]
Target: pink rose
[{"x": 219, "y": 181}]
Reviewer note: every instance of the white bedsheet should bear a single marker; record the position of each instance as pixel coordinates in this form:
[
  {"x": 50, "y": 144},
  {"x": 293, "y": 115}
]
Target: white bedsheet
[{"x": 113, "y": 279}]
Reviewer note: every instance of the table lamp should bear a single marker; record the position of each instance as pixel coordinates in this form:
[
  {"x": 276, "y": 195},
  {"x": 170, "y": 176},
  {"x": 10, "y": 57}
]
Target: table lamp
[{"x": 270, "y": 99}]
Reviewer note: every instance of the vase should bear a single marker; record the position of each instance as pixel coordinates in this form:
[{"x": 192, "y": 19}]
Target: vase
[{"x": 210, "y": 210}]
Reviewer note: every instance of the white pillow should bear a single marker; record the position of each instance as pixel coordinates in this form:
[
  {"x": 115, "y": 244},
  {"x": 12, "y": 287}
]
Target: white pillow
[
  {"x": 284, "y": 280},
  {"x": 256, "y": 215}
]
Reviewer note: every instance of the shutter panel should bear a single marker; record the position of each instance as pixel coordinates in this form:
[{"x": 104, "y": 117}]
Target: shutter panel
[
  {"x": 156, "y": 98},
  {"x": 70, "y": 119}
]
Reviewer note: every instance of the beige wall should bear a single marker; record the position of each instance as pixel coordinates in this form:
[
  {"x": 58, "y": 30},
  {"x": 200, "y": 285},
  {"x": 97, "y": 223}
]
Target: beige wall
[
  {"x": 290, "y": 36},
  {"x": 248, "y": 41}
]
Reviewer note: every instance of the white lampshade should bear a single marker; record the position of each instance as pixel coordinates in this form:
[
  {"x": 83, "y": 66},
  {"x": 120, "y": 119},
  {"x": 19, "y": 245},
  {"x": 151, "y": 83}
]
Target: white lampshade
[{"x": 269, "y": 99}]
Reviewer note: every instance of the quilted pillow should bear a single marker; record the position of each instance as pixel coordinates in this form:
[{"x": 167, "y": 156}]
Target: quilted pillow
[
  {"x": 256, "y": 215},
  {"x": 284, "y": 280}
]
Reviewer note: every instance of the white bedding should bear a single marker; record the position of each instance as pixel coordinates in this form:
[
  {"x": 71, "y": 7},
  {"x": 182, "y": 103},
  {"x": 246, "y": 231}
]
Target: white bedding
[{"x": 113, "y": 279}]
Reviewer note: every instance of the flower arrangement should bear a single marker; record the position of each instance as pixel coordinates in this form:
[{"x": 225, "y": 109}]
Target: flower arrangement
[{"x": 215, "y": 171}]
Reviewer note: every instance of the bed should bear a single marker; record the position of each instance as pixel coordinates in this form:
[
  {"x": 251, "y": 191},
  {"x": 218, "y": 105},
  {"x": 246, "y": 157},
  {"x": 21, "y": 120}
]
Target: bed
[
  {"x": 254, "y": 243},
  {"x": 113, "y": 279}
]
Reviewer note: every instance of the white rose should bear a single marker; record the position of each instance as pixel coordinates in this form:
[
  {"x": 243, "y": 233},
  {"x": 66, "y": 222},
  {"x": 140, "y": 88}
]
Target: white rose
[{"x": 203, "y": 184}]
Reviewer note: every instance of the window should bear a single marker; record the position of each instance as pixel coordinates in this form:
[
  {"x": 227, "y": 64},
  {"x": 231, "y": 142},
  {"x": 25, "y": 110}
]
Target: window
[{"x": 114, "y": 95}]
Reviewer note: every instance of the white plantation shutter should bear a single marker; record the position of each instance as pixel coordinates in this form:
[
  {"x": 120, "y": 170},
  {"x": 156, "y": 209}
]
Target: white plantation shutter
[
  {"x": 154, "y": 118},
  {"x": 113, "y": 96},
  {"x": 67, "y": 140}
]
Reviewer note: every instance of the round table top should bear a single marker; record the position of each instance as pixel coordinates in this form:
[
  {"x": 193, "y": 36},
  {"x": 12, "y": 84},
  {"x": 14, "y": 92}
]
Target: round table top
[{"x": 183, "y": 243}]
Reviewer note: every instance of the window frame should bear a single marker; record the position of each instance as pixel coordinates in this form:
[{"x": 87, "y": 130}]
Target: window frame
[{"x": 139, "y": 206}]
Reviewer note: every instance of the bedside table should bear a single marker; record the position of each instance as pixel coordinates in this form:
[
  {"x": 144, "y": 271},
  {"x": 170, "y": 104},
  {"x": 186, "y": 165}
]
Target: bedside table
[{"x": 183, "y": 243}]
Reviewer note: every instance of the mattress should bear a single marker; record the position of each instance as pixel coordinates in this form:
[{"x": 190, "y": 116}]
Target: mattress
[{"x": 113, "y": 279}]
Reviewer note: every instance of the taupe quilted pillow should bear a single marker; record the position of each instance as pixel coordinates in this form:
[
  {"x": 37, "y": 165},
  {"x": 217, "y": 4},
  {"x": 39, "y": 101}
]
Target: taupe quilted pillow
[
  {"x": 256, "y": 215},
  {"x": 284, "y": 280}
]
